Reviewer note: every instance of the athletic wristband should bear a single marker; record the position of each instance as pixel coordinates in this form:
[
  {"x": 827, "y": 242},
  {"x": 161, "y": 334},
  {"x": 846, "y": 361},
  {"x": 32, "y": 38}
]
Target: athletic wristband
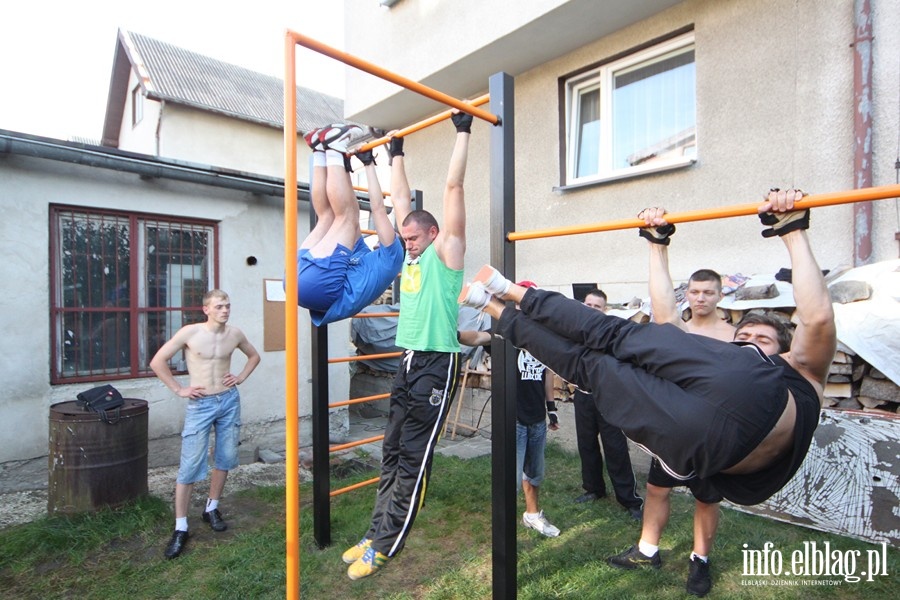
[
  {"x": 657, "y": 235},
  {"x": 782, "y": 223}
]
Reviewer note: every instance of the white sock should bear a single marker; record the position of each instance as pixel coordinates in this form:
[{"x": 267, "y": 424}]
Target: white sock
[
  {"x": 532, "y": 516},
  {"x": 647, "y": 549},
  {"x": 211, "y": 504},
  {"x": 333, "y": 158},
  {"x": 181, "y": 524},
  {"x": 703, "y": 558},
  {"x": 319, "y": 159}
]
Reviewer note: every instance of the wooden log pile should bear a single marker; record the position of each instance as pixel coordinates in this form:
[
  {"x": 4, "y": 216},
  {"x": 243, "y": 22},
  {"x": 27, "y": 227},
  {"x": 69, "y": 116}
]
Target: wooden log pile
[{"x": 855, "y": 384}]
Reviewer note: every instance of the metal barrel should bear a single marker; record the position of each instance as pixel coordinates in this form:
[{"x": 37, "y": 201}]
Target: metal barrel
[{"x": 93, "y": 464}]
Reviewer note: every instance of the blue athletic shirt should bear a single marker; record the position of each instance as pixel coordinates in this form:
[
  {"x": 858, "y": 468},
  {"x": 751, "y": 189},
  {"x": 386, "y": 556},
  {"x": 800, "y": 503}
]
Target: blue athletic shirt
[{"x": 368, "y": 275}]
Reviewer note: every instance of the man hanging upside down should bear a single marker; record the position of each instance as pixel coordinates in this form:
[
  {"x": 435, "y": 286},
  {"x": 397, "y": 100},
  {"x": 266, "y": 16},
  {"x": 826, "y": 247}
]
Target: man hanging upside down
[
  {"x": 337, "y": 274},
  {"x": 740, "y": 414}
]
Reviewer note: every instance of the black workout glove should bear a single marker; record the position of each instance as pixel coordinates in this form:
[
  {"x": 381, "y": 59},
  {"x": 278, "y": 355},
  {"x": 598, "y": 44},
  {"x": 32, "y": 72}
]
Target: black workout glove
[
  {"x": 395, "y": 147},
  {"x": 367, "y": 158},
  {"x": 657, "y": 235},
  {"x": 463, "y": 122},
  {"x": 783, "y": 223},
  {"x": 551, "y": 413}
]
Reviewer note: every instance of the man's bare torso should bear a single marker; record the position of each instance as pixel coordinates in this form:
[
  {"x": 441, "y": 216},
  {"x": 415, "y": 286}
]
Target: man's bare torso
[{"x": 208, "y": 355}]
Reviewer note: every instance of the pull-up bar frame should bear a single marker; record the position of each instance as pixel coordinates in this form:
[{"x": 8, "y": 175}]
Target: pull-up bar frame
[
  {"x": 372, "y": 69},
  {"x": 504, "y": 577},
  {"x": 724, "y": 212},
  {"x": 420, "y": 125}
]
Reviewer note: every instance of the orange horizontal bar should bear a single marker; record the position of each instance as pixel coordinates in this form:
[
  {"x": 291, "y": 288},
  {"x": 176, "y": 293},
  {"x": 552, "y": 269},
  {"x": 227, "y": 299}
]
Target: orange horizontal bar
[
  {"x": 368, "y": 231},
  {"x": 355, "y": 486},
  {"x": 360, "y": 188},
  {"x": 738, "y": 210},
  {"x": 372, "y": 315},
  {"x": 364, "y": 357},
  {"x": 372, "y": 69},
  {"x": 356, "y": 443},
  {"x": 420, "y": 125},
  {"x": 360, "y": 400}
]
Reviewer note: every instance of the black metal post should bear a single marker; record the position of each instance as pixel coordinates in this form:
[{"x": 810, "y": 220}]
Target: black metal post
[
  {"x": 503, "y": 381},
  {"x": 321, "y": 472}
]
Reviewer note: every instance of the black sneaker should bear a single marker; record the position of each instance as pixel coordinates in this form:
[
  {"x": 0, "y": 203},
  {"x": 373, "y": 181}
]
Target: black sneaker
[
  {"x": 215, "y": 520},
  {"x": 699, "y": 582},
  {"x": 634, "y": 559}
]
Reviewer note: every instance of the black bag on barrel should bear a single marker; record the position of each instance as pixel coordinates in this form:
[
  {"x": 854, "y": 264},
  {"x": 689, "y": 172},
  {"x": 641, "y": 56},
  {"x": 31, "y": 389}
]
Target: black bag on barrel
[{"x": 102, "y": 400}]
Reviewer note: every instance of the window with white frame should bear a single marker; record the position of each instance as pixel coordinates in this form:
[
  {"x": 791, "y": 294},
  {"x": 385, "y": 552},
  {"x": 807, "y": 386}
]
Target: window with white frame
[
  {"x": 633, "y": 115},
  {"x": 121, "y": 284},
  {"x": 137, "y": 105}
]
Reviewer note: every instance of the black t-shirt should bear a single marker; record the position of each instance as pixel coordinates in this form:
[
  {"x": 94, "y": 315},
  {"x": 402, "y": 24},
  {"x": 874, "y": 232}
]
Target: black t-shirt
[
  {"x": 753, "y": 488},
  {"x": 531, "y": 399}
]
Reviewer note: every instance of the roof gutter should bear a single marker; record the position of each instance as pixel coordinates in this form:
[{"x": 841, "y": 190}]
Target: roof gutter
[{"x": 143, "y": 165}]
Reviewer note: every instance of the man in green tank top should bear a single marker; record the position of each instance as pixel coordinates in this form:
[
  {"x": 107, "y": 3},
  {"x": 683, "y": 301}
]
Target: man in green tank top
[{"x": 425, "y": 383}]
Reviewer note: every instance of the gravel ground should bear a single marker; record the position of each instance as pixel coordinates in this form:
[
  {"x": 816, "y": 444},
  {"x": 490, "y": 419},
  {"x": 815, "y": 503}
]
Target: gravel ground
[{"x": 25, "y": 506}]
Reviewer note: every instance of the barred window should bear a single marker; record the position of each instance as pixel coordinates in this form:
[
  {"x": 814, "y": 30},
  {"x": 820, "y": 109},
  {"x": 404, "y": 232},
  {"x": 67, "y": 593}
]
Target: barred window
[{"x": 121, "y": 285}]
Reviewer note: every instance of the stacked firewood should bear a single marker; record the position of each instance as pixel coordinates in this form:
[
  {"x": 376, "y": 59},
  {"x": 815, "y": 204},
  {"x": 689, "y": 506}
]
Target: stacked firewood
[{"x": 855, "y": 384}]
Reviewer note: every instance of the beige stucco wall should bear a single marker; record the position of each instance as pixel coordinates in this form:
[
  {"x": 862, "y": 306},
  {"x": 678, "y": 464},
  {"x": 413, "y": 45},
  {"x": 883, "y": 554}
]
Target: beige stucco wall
[
  {"x": 248, "y": 225},
  {"x": 774, "y": 108},
  {"x": 140, "y": 137},
  {"x": 192, "y": 135}
]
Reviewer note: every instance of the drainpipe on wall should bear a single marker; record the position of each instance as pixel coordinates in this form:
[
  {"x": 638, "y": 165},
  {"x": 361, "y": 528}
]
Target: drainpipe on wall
[
  {"x": 862, "y": 129},
  {"x": 162, "y": 111}
]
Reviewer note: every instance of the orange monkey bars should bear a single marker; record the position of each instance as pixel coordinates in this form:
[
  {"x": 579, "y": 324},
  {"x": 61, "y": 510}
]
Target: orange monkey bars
[
  {"x": 354, "y": 444},
  {"x": 360, "y": 400},
  {"x": 421, "y": 125},
  {"x": 355, "y": 486},
  {"x": 364, "y": 357},
  {"x": 738, "y": 210},
  {"x": 372, "y": 69}
]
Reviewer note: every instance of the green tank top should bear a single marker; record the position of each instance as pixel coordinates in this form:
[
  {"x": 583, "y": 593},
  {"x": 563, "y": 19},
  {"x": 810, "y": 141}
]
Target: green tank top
[{"x": 428, "y": 309}]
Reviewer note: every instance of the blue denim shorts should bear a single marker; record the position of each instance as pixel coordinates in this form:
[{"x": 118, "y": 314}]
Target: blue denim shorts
[
  {"x": 530, "y": 443},
  {"x": 222, "y": 412}
]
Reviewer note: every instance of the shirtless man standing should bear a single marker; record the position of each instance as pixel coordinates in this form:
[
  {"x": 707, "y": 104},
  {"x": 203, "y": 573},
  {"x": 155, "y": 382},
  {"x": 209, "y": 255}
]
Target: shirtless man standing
[
  {"x": 704, "y": 292},
  {"x": 213, "y": 401}
]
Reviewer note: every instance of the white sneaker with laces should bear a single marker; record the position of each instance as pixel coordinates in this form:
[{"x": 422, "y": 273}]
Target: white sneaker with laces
[
  {"x": 474, "y": 295},
  {"x": 540, "y": 524}
]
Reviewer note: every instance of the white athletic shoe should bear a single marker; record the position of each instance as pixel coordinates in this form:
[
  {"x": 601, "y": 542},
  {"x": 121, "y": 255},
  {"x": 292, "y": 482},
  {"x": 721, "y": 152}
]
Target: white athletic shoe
[
  {"x": 340, "y": 137},
  {"x": 540, "y": 524},
  {"x": 492, "y": 280},
  {"x": 474, "y": 295}
]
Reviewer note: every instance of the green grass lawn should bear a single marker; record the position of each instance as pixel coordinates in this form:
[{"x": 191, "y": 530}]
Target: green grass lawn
[{"x": 118, "y": 554}]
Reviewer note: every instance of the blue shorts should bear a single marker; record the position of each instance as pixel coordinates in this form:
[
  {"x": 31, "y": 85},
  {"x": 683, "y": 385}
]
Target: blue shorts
[
  {"x": 530, "y": 443},
  {"x": 222, "y": 412},
  {"x": 367, "y": 276},
  {"x": 320, "y": 281}
]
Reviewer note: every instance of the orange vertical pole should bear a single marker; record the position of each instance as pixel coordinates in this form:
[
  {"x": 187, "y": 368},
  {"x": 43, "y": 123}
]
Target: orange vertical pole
[
  {"x": 415, "y": 86},
  {"x": 291, "y": 395}
]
